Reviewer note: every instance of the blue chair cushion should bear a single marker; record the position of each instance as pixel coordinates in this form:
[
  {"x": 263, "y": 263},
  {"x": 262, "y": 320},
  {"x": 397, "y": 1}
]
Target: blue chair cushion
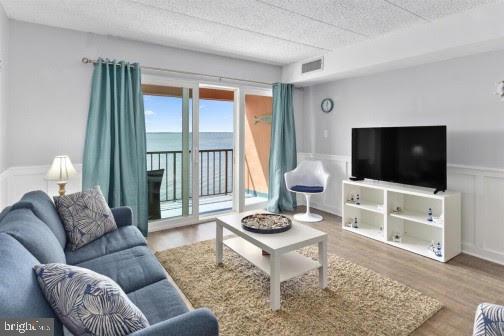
[
  {"x": 43, "y": 207},
  {"x": 121, "y": 239},
  {"x": 88, "y": 303},
  {"x": 34, "y": 235},
  {"x": 159, "y": 301},
  {"x": 132, "y": 269},
  {"x": 307, "y": 189},
  {"x": 20, "y": 294}
]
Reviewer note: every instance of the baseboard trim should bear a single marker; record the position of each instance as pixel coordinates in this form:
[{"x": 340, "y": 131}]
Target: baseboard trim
[
  {"x": 474, "y": 251},
  {"x": 321, "y": 207}
]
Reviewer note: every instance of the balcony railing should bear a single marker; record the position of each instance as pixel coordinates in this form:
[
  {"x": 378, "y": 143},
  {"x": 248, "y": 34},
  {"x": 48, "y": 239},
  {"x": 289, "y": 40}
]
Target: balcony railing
[{"x": 216, "y": 172}]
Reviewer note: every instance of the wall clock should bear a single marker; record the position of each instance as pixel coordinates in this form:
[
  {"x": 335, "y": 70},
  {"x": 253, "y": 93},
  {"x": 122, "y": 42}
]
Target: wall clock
[{"x": 327, "y": 105}]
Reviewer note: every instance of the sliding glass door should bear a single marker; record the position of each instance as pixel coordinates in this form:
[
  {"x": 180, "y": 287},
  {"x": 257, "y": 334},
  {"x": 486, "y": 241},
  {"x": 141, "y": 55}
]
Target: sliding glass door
[
  {"x": 257, "y": 109},
  {"x": 171, "y": 150},
  {"x": 207, "y": 149},
  {"x": 216, "y": 139}
]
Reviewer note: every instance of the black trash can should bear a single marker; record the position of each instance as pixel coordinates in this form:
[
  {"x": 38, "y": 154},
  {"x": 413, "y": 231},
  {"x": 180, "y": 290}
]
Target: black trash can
[{"x": 154, "y": 178}]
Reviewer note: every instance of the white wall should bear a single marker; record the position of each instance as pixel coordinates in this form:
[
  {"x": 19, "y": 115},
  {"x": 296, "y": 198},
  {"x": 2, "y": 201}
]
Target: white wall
[
  {"x": 4, "y": 43},
  {"x": 466, "y": 33},
  {"x": 459, "y": 93},
  {"x": 298, "y": 103},
  {"x": 4, "y": 37},
  {"x": 49, "y": 86}
]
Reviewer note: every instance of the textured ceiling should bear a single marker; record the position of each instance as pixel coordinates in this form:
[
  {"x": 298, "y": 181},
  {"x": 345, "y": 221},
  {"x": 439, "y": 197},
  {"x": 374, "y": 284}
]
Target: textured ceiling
[{"x": 271, "y": 31}]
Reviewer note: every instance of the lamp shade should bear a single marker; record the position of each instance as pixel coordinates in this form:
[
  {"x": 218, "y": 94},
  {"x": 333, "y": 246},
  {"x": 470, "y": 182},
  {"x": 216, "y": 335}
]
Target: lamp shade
[{"x": 61, "y": 169}]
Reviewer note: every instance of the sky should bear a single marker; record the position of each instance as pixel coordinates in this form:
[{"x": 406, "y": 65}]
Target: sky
[{"x": 164, "y": 114}]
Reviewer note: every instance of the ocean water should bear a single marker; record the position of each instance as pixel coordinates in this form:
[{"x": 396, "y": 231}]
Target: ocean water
[
  {"x": 171, "y": 141},
  {"x": 212, "y": 172}
]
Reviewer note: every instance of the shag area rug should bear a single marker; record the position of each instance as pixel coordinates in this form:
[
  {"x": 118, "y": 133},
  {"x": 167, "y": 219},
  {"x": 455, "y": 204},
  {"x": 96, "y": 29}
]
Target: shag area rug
[{"x": 357, "y": 301}]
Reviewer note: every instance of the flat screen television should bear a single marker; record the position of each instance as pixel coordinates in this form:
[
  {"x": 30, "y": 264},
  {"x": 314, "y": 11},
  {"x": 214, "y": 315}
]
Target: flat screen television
[{"x": 414, "y": 155}]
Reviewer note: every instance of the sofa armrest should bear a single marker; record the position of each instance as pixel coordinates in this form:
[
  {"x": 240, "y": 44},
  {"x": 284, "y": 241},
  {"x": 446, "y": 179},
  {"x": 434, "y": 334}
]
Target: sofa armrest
[
  {"x": 488, "y": 320},
  {"x": 199, "y": 322},
  {"x": 123, "y": 216}
]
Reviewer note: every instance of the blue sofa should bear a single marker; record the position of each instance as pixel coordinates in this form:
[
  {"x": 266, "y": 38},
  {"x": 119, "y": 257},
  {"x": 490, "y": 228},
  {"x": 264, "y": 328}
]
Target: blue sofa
[{"x": 31, "y": 233}]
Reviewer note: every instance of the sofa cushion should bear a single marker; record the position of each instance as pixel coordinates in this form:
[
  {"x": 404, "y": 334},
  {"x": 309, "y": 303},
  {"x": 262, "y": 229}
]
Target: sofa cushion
[
  {"x": 159, "y": 301},
  {"x": 4, "y": 212},
  {"x": 86, "y": 216},
  {"x": 43, "y": 207},
  {"x": 20, "y": 294},
  {"x": 123, "y": 215},
  {"x": 88, "y": 303},
  {"x": 132, "y": 269},
  {"x": 118, "y": 240},
  {"x": 201, "y": 322},
  {"x": 34, "y": 235}
]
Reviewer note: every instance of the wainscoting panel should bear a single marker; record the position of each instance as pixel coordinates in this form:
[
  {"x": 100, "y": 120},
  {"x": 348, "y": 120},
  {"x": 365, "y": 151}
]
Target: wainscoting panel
[
  {"x": 482, "y": 197},
  {"x": 492, "y": 217},
  {"x": 16, "y": 181},
  {"x": 482, "y": 192},
  {"x": 466, "y": 184}
]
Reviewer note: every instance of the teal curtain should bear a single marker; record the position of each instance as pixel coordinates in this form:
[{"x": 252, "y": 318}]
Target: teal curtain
[
  {"x": 114, "y": 152},
  {"x": 283, "y": 156}
]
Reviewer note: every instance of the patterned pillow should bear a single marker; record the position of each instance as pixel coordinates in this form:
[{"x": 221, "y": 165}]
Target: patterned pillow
[
  {"x": 88, "y": 303},
  {"x": 86, "y": 216},
  {"x": 489, "y": 320}
]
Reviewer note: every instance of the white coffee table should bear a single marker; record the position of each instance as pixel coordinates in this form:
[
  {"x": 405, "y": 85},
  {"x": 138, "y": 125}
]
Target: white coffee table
[{"x": 283, "y": 263}]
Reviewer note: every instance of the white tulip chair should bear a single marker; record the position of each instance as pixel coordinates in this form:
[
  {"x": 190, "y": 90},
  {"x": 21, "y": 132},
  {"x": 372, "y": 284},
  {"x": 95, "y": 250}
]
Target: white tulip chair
[{"x": 309, "y": 178}]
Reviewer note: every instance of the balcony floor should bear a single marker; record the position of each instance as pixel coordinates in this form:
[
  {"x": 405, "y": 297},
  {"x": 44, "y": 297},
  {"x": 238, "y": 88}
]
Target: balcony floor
[{"x": 208, "y": 204}]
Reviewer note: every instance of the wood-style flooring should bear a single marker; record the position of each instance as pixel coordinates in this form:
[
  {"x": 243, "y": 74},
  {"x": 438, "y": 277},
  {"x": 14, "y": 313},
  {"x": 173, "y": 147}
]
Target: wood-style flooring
[{"x": 460, "y": 285}]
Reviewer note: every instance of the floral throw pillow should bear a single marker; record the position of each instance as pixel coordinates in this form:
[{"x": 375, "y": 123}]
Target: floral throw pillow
[
  {"x": 86, "y": 216},
  {"x": 88, "y": 303},
  {"x": 489, "y": 320}
]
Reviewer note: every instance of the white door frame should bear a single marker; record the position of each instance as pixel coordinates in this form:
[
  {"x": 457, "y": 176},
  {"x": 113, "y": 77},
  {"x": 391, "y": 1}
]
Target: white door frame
[
  {"x": 240, "y": 91},
  {"x": 168, "y": 223}
]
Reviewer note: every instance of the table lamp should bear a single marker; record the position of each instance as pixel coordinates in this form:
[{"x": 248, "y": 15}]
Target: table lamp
[{"x": 61, "y": 170}]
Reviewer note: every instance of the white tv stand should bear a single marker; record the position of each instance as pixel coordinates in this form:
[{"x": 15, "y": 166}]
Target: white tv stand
[{"x": 378, "y": 218}]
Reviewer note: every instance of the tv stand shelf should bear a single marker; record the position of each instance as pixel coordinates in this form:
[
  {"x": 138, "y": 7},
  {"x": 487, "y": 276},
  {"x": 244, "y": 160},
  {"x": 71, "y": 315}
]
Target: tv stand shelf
[
  {"x": 389, "y": 209},
  {"x": 375, "y": 207},
  {"x": 415, "y": 217},
  {"x": 368, "y": 231}
]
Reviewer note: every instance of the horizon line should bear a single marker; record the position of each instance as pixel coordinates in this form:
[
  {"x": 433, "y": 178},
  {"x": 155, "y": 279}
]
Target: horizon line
[{"x": 191, "y": 132}]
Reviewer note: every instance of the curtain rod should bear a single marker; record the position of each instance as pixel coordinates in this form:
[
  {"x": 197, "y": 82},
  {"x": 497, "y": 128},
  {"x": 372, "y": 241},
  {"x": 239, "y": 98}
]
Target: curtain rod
[{"x": 86, "y": 60}]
